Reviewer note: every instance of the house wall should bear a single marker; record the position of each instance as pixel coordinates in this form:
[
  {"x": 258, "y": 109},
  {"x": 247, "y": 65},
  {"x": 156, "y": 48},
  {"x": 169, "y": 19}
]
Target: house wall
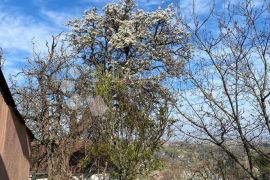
[{"x": 14, "y": 146}]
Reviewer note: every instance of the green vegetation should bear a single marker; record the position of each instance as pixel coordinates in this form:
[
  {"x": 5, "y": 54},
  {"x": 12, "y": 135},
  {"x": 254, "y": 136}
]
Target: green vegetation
[{"x": 125, "y": 80}]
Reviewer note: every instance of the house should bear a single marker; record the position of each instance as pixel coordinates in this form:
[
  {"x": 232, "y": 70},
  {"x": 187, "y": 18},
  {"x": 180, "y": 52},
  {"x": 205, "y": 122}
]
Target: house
[
  {"x": 15, "y": 138},
  {"x": 39, "y": 169}
]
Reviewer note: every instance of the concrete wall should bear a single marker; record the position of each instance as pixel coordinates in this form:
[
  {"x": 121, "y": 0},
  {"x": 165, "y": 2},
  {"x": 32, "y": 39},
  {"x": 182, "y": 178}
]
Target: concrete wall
[{"x": 14, "y": 146}]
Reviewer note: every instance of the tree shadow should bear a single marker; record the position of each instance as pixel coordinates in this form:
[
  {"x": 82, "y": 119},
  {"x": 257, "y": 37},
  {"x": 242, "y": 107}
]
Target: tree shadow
[
  {"x": 3, "y": 170},
  {"x": 21, "y": 134}
]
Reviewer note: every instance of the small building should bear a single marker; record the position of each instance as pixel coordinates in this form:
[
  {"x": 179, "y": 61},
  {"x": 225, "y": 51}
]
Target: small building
[{"x": 15, "y": 138}]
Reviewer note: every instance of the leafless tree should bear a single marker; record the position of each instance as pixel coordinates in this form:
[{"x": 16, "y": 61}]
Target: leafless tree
[
  {"x": 45, "y": 96},
  {"x": 225, "y": 100}
]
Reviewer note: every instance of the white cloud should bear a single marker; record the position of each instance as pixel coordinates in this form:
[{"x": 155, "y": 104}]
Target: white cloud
[
  {"x": 201, "y": 6},
  {"x": 17, "y": 34},
  {"x": 17, "y": 31},
  {"x": 98, "y": 1},
  {"x": 150, "y": 2},
  {"x": 56, "y": 18},
  {"x": 141, "y": 3},
  {"x": 59, "y": 18}
]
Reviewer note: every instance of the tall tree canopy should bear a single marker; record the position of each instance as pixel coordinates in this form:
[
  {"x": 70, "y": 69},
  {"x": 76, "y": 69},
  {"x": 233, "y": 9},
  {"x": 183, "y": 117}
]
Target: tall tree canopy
[
  {"x": 132, "y": 52},
  {"x": 150, "y": 44},
  {"x": 123, "y": 56}
]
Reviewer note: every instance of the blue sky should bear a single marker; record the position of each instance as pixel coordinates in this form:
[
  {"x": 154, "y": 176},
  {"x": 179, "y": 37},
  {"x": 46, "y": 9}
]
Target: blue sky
[{"x": 25, "y": 21}]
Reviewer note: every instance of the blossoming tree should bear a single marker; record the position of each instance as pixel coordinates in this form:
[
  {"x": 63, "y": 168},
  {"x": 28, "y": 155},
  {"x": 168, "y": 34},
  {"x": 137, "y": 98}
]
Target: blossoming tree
[{"x": 133, "y": 53}]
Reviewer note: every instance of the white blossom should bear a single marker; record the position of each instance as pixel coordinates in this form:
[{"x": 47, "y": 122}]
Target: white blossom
[{"x": 123, "y": 33}]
